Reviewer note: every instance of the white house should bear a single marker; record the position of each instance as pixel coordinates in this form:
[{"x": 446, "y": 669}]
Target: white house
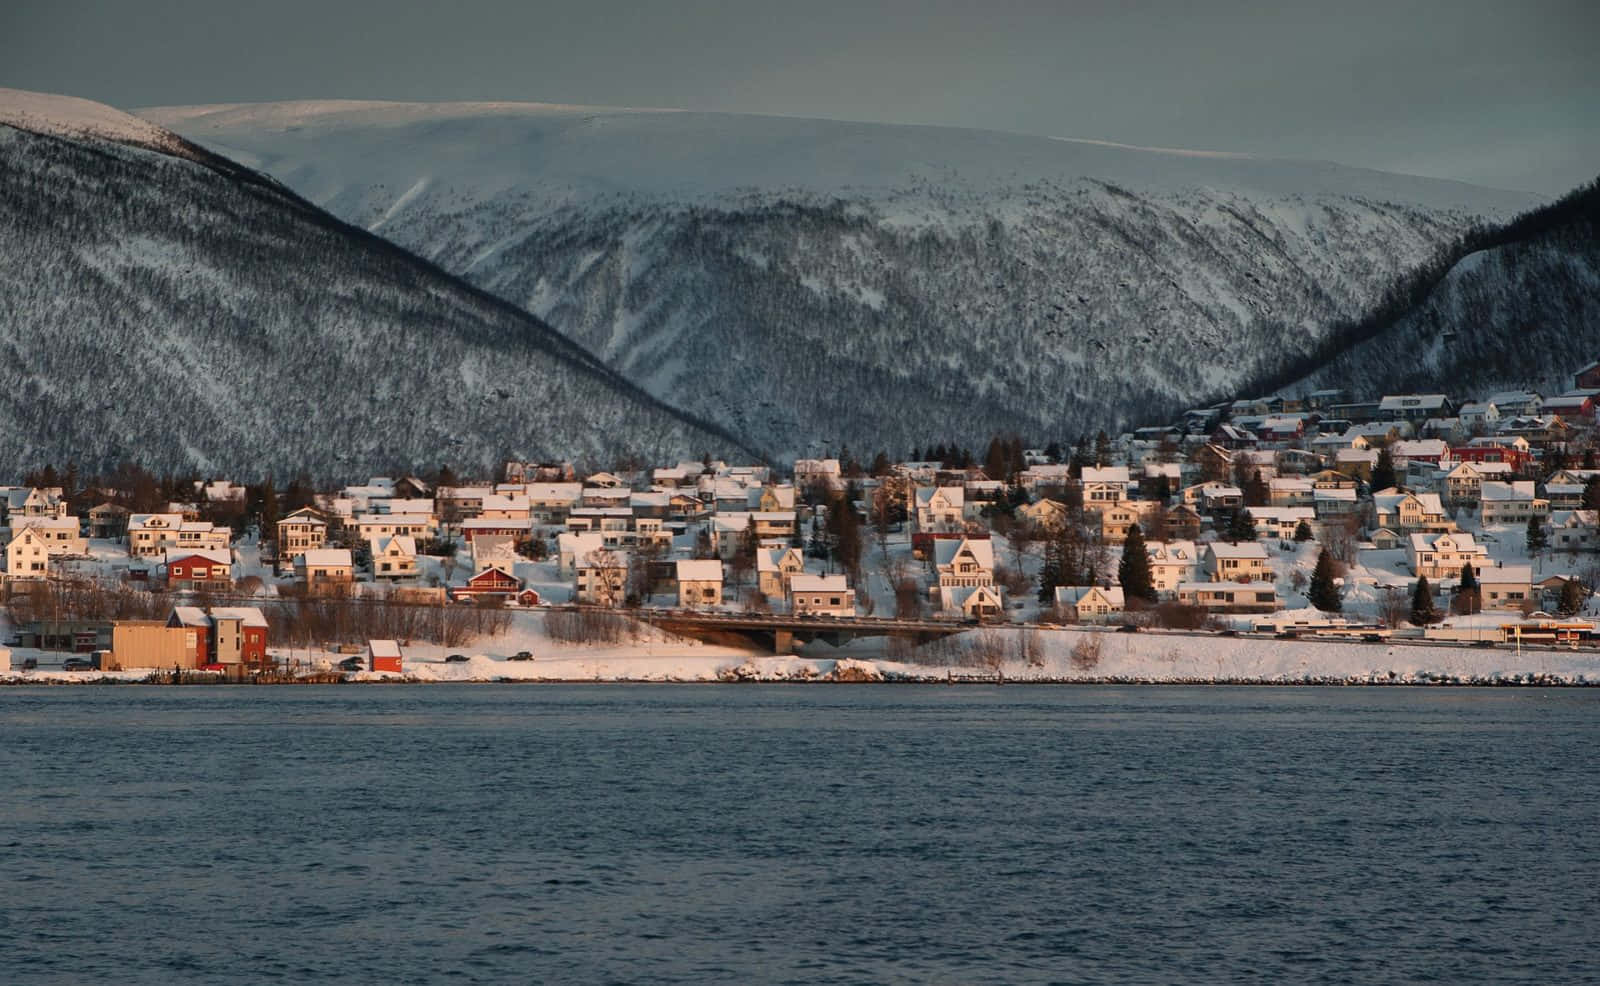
[
  {"x": 775, "y": 567},
  {"x": 394, "y": 557},
  {"x": 1510, "y": 503},
  {"x": 1104, "y": 485},
  {"x": 1088, "y": 603},
  {"x": 940, "y": 509},
  {"x": 821, "y": 595},
  {"x": 1440, "y": 556},
  {"x": 1172, "y": 563},
  {"x": 699, "y": 582},
  {"x": 27, "y": 555}
]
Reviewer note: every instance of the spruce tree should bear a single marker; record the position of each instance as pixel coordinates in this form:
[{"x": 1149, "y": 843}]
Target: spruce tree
[
  {"x": 1302, "y": 532},
  {"x": 1591, "y": 493},
  {"x": 1469, "y": 597},
  {"x": 1323, "y": 594},
  {"x": 1572, "y": 596},
  {"x": 1134, "y": 569},
  {"x": 1422, "y": 610},
  {"x": 1383, "y": 475},
  {"x": 1242, "y": 527},
  {"x": 1537, "y": 539}
]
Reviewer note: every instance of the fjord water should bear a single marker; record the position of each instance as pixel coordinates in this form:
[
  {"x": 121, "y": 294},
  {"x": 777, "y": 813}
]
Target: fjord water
[{"x": 742, "y": 834}]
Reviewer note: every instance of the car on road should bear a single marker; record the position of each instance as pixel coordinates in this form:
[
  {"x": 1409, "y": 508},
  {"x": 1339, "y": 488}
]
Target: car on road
[
  {"x": 456, "y": 659},
  {"x": 77, "y": 664},
  {"x": 521, "y": 655},
  {"x": 352, "y": 664}
]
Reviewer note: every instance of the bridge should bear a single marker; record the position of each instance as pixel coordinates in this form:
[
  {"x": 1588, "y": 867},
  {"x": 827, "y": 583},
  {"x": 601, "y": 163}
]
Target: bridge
[{"x": 781, "y": 633}]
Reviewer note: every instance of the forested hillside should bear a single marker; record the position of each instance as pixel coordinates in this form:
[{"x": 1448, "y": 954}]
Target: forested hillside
[
  {"x": 814, "y": 284},
  {"x": 167, "y": 311}
]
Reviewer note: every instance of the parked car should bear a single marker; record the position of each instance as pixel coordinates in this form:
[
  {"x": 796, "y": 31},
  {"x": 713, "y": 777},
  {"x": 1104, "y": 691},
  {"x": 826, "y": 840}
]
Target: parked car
[
  {"x": 30, "y": 664},
  {"x": 521, "y": 655},
  {"x": 352, "y": 664},
  {"x": 77, "y": 664},
  {"x": 456, "y": 659}
]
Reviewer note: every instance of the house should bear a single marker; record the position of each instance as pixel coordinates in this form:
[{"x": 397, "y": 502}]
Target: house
[
  {"x": 1510, "y": 503},
  {"x": 324, "y": 568},
  {"x": 1464, "y": 482},
  {"x": 1386, "y": 540},
  {"x": 1405, "y": 512},
  {"x": 61, "y": 535},
  {"x": 32, "y": 501},
  {"x": 548, "y": 503},
  {"x": 571, "y": 546},
  {"x": 1171, "y": 563},
  {"x": 300, "y": 531},
  {"x": 108, "y": 521},
  {"x": 972, "y": 603},
  {"x": 1104, "y": 485},
  {"x": 491, "y": 584},
  {"x": 1356, "y": 462},
  {"x": 1282, "y": 429},
  {"x": 1332, "y": 479},
  {"x": 1242, "y": 562},
  {"x": 150, "y": 535},
  {"x": 1233, "y": 436},
  {"x": 1517, "y": 403},
  {"x": 1429, "y": 450},
  {"x": 1437, "y": 556},
  {"x": 27, "y": 555},
  {"x": 1046, "y": 514},
  {"x": 1291, "y": 491},
  {"x": 1414, "y": 407},
  {"x": 1575, "y": 530},
  {"x": 226, "y": 636},
  {"x": 821, "y": 595},
  {"x": 394, "y": 557},
  {"x": 1332, "y": 504},
  {"x": 967, "y": 562},
  {"x": 775, "y": 567},
  {"x": 1184, "y": 522},
  {"x": 809, "y": 471},
  {"x": 1506, "y": 587},
  {"x": 1087, "y": 603},
  {"x": 1282, "y": 522},
  {"x": 371, "y": 527},
  {"x": 1229, "y": 597},
  {"x": 1513, "y": 450},
  {"x": 1479, "y": 414},
  {"x": 199, "y": 571},
  {"x": 600, "y": 577},
  {"x": 1574, "y": 406},
  {"x": 940, "y": 509},
  {"x": 699, "y": 582},
  {"x": 1116, "y": 518}
]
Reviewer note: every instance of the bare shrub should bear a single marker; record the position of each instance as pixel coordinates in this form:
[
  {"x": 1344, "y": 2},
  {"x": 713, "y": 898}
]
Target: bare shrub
[
  {"x": 1085, "y": 654},
  {"x": 1180, "y": 616},
  {"x": 592, "y": 626}
]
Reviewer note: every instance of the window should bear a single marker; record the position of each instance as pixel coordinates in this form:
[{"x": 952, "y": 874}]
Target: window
[{"x": 833, "y": 601}]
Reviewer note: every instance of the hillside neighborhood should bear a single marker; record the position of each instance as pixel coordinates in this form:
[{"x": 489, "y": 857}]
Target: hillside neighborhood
[{"x": 1401, "y": 515}]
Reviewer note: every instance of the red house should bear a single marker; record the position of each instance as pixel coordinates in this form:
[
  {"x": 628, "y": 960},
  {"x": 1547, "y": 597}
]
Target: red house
[
  {"x": 491, "y": 583},
  {"x": 226, "y": 635},
  {"x": 1519, "y": 459},
  {"x": 1571, "y": 407},
  {"x": 1588, "y": 378},
  {"x": 199, "y": 571}
]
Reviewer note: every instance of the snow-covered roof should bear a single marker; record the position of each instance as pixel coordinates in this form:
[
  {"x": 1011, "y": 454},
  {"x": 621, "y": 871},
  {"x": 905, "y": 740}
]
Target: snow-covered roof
[
  {"x": 250, "y": 616},
  {"x": 384, "y": 648},
  {"x": 946, "y": 549},
  {"x": 1243, "y": 550},
  {"x": 1107, "y": 474},
  {"x": 1071, "y": 595},
  {"x": 1506, "y": 492},
  {"x": 327, "y": 557},
  {"x": 217, "y": 556},
  {"x": 699, "y": 570},
  {"x": 818, "y": 583}
]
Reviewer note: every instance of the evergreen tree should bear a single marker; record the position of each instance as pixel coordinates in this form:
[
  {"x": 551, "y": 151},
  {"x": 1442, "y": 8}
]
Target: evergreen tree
[
  {"x": 1572, "y": 596},
  {"x": 1242, "y": 527},
  {"x": 1537, "y": 539},
  {"x": 1302, "y": 532},
  {"x": 1469, "y": 596},
  {"x": 1422, "y": 609},
  {"x": 1050, "y": 573},
  {"x": 1102, "y": 450},
  {"x": 1383, "y": 475},
  {"x": 269, "y": 511},
  {"x": 1323, "y": 594},
  {"x": 1134, "y": 569},
  {"x": 1591, "y": 493}
]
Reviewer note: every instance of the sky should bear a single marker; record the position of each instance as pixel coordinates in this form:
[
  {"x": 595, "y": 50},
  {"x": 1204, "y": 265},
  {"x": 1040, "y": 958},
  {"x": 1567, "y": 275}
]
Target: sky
[{"x": 1501, "y": 93}]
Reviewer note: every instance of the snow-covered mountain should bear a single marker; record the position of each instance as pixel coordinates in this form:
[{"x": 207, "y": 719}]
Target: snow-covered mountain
[
  {"x": 813, "y": 283},
  {"x": 1516, "y": 307},
  {"x": 163, "y": 305}
]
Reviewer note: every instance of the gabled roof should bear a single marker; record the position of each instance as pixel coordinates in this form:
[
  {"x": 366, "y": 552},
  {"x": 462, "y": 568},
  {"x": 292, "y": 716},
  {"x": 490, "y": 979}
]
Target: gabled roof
[
  {"x": 699, "y": 570},
  {"x": 946, "y": 550},
  {"x": 334, "y": 557},
  {"x": 1243, "y": 550}
]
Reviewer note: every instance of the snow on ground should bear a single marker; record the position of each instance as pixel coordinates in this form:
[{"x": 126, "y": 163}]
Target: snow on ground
[{"x": 66, "y": 116}]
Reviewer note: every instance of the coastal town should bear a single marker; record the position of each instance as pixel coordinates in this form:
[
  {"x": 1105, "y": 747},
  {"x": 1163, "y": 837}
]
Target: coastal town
[{"x": 1396, "y": 518}]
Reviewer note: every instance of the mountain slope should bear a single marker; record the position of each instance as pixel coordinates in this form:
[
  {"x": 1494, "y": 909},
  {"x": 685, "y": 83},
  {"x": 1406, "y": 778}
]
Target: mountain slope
[
  {"x": 813, "y": 283},
  {"x": 168, "y": 310},
  {"x": 1513, "y": 307}
]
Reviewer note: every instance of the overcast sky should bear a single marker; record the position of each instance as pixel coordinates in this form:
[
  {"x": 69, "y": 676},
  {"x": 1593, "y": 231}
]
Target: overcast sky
[{"x": 1504, "y": 93}]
